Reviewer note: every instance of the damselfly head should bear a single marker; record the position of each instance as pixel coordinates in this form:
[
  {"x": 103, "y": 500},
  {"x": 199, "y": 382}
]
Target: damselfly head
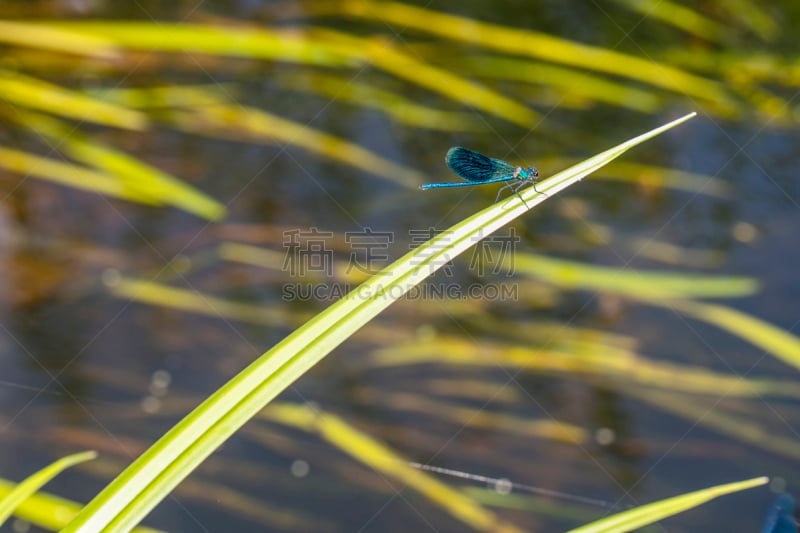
[{"x": 524, "y": 174}]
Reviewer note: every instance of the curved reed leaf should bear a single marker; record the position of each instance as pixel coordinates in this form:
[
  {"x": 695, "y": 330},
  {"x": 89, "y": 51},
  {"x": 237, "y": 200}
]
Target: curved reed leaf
[
  {"x": 237, "y": 122},
  {"x": 194, "y": 301},
  {"x": 460, "y": 416},
  {"x": 211, "y": 115},
  {"x": 372, "y": 453},
  {"x": 219, "y": 494},
  {"x": 239, "y": 41},
  {"x": 62, "y": 173},
  {"x": 47, "y": 510},
  {"x": 34, "y": 482},
  {"x": 743, "y": 73},
  {"x": 37, "y": 94},
  {"x": 127, "y": 499},
  {"x": 137, "y": 178},
  {"x": 167, "y": 96},
  {"x": 455, "y": 87},
  {"x": 738, "y": 427},
  {"x": 35, "y": 36},
  {"x": 772, "y": 107},
  {"x": 568, "y": 81},
  {"x": 666, "y": 252},
  {"x": 387, "y": 58},
  {"x": 679, "y": 16},
  {"x": 253, "y": 255},
  {"x": 631, "y": 283},
  {"x": 400, "y": 108},
  {"x": 589, "y": 359},
  {"x": 321, "y": 48},
  {"x": 527, "y": 43},
  {"x": 145, "y": 179},
  {"x": 737, "y": 67},
  {"x": 527, "y": 502},
  {"x": 752, "y": 15},
  {"x": 653, "y": 512},
  {"x": 779, "y": 343},
  {"x": 273, "y": 260}
]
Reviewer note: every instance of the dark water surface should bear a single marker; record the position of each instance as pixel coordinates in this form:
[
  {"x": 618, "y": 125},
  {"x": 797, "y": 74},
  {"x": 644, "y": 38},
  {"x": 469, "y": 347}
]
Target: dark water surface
[{"x": 83, "y": 369}]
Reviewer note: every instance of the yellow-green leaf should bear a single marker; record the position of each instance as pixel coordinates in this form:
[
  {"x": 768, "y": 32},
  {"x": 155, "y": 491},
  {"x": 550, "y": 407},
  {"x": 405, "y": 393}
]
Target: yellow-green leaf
[
  {"x": 55, "y": 171},
  {"x": 139, "y": 179},
  {"x": 34, "y": 35},
  {"x": 773, "y": 340},
  {"x": 379, "y": 457},
  {"x": 529, "y": 43},
  {"x": 651, "y": 513},
  {"x": 632, "y": 283},
  {"x": 33, "y": 483},
  {"x": 47, "y": 510},
  {"x": 37, "y": 94}
]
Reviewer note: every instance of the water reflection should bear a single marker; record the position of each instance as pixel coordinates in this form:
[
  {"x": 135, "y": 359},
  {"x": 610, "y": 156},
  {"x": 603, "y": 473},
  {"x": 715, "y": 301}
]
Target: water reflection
[{"x": 123, "y": 155}]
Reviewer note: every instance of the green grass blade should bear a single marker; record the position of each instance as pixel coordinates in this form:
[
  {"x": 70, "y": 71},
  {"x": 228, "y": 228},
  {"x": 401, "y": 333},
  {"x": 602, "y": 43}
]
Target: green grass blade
[
  {"x": 453, "y": 412},
  {"x": 666, "y": 252},
  {"x": 648, "y": 514},
  {"x": 33, "y": 483},
  {"x": 48, "y": 511},
  {"x": 55, "y": 40},
  {"x": 137, "y": 178},
  {"x": 369, "y": 451},
  {"x": 194, "y": 301},
  {"x": 736, "y": 426},
  {"x": 128, "y": 499},
  {"x": 629, "y": 282},
  {"x": 585, "y": 359},
  {"x": 210, "y": 113},
  {"x": 440, "y": 80},
  {"x": 324, "y": 47},
  {"x": 235, "y": 41},
  {"x": 394, "y": 104},
  {"x": 238, "y": 122},
  {"x": 589, "y": 86},
  {"x": 679, "y": 16},
  {"x": 753, "y": 15},
  {"x": 168, "y": 96},
  {"x": 36, "y": 94},
  {"x": 529, "y": 43},
  {"x": 141, "y": 178},
  {"x": 31, "y": 165},
  {"x": 781, "y": 344}
]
